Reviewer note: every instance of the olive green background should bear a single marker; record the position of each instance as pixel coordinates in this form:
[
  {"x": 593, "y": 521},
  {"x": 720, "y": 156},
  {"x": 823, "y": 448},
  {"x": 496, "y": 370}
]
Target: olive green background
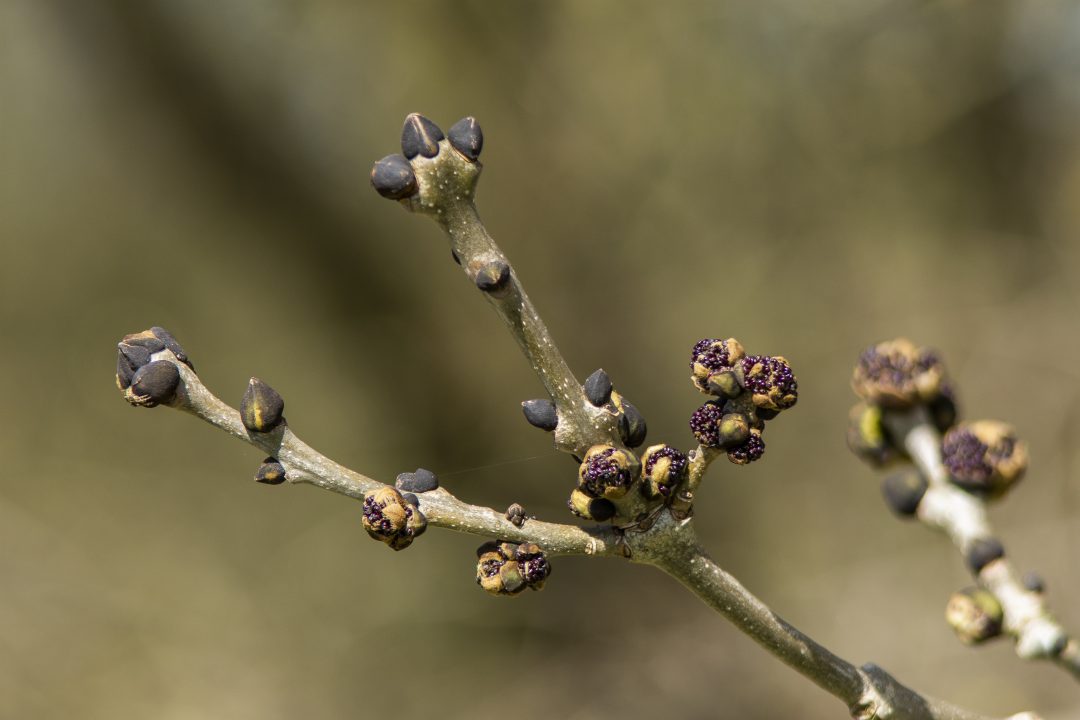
[{"x": 810, "y": 177}]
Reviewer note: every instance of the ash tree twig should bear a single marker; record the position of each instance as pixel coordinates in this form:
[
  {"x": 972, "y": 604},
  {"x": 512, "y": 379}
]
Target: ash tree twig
[{"x": 648, "y": 499}]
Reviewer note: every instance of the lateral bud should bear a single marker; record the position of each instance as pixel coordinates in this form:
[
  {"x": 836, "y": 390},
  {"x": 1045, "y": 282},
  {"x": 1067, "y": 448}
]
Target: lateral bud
[
  {"x": 420, "y": 136},
  {"x": 541, "y": 414},
  {"x": 271, "y": 472},
  {"x": 467, "y": 138},
  {"x": 153, "y": 384},
  {"x": 419, "y": 481},
  {"x": 393, "y": 178},
  {"x": 493, "y": 276},
  {"x": 262, "y": 407},
  {"x": 598, "y": 388}
]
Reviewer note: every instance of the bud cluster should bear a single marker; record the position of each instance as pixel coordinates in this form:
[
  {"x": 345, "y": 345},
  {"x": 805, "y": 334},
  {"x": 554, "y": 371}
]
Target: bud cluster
[
  {"x": 503, "y": 568},
  {"x": 390, "y": 518},
  {"x": 145, "y": 378},
  {"x": 749, "y": 390},
  {"x": 983, "y": 457}
]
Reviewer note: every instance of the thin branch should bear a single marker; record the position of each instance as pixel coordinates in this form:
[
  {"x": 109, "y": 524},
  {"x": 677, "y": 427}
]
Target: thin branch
[
  {"x": 962, "y": 516},
  {"x": 303, "y": 464}
]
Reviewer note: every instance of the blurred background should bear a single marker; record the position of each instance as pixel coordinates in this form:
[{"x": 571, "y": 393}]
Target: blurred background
[{"x": 810, "y": 177}]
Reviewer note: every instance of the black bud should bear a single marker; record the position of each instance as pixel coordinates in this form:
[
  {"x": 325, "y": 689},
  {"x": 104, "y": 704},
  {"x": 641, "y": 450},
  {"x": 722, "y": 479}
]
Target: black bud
[
  {"x": 598, "y": 388},
  {"x": 171, "y": 344},
  {"x": 393, "y": 178},
  {"x": 420, "y": 136},
  {"x": 124, "y": 370},
  {"x": 1033, "y": 583},
  {"x": 420, "y": 481},
  {"x": 261, "y": 407},
  {"x": 541, "y": 414},
  {"x": 903, "y": 491},
  {"x": 766, "y": 413},
  {"x": 467, "y": 138},
  {"x": 271, "y": 472},
  {"x": 601, "y": 509},
  {"x": 632, "y": 427},
  {"x": 943, "y": 410},
  {"x": 136, "y": 355},
  {"x": 493, "y": 276},
  {"x": 489, "y": 546},
  {"x": 516, "y": 514},
  {"x": 145, "y": 340},
  {"x": 411, "y": 499},
  {"x": 155, "y": 383},
  {"x": 983, "y": 552}
]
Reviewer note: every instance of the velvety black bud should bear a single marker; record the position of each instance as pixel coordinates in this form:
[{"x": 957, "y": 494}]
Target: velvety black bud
[
  {"x": 770, "y": 381},
  {"x": 749, "y": 451},
  {"x": 135, "y": 355},
  {"x": 125, "y": 370},
  {"x": 541, "y": 414},
  {"x": 632, "y": 427},
  {"x": 419, "y": 481},
  {"x": 1033, "y": 583},
  {"x": 261, "y": 407},
  {"x": 765, "y": 413},
  {"x": 411, "y": 499},
  {"x": 867, "y": 437},
  {"x": 975, "y": 615},
  {"x": 943, "y": 409},
  {"x": 598, "y": 388},
  {"x": 146, "y": 340},
  {"x": 466, "y": 137},
  {"x": 154, "y": 384},
  {"x": 171, "y": 345},
  {"x": 393, "y": 178},
  {"x": 903, "y": 491},
  {"x": 705, "y": 424},
  {"x": 516, "y": 514},
  {"x": 982, "y": 552},
  {"x": 420, "y": 136},
  {"x": 271, "y": 472},
  {"x": 493, "y": 276},
  {"x": 607, "y": 472},
  {"x": 590, "y": 508}
]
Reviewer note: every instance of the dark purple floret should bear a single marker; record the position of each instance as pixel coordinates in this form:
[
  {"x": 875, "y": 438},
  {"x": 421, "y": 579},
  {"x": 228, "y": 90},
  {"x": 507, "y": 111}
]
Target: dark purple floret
[
  {"x": 749, "y": 451},
  {"x": 705, "y": 424},
  {"x": 711, "y": 353},
  {"x": 777, "y": 375},
  {"x": 373, "y": 513},
  {"x": 964, "y": 456},
  {"x": 602, "y": 472},
  {"x": 877, "y": 366},
  {"x": 678, "y": 461},
  {"x": 490, "y": 567},
  {"x": 535, "y": 569}
]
